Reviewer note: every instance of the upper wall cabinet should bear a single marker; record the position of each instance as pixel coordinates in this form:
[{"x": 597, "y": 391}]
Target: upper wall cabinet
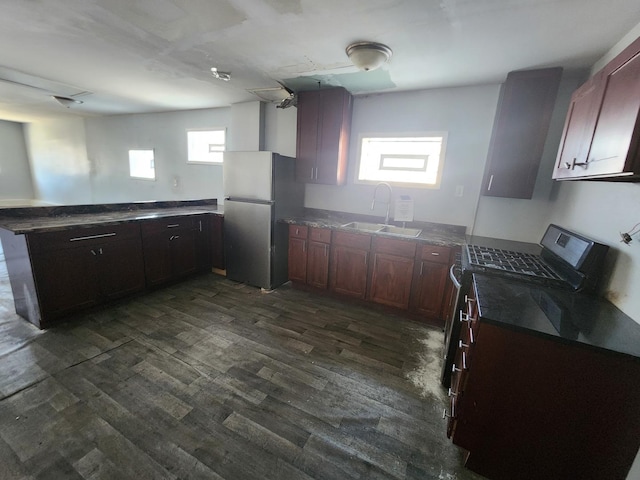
[
  {"x": 602, "y": 129},
  {"x": 324, "y": 125},
  {"x": 519, "y": 132}
]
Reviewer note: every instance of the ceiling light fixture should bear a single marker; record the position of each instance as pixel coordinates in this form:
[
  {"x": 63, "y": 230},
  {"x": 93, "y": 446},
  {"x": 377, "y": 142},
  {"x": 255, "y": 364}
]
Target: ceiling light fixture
[
  {"x": 66, "y": 101},
  {"x": 368, "y": 55},
  {"x": 224, "y": 76}
]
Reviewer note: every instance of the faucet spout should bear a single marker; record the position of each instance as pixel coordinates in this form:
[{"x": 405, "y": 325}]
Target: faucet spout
[{"x": 388, "y": 202}]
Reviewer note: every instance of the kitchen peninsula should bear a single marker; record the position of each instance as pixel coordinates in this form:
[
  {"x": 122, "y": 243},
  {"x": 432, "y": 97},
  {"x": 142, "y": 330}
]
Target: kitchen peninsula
[{"x": 63, "y": 259}]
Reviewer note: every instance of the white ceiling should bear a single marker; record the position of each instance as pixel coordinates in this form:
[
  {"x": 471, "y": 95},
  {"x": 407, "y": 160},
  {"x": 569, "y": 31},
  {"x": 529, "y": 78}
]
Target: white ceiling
[{"x": 133, "y": 56}]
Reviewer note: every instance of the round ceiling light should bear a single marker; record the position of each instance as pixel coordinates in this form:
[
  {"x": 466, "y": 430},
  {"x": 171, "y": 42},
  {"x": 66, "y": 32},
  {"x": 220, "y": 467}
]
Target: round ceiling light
[{"x": 368, "y": 55}]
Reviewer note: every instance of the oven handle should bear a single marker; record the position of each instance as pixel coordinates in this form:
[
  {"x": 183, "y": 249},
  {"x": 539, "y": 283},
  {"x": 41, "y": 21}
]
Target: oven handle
[{"x": 453, "y": 278}]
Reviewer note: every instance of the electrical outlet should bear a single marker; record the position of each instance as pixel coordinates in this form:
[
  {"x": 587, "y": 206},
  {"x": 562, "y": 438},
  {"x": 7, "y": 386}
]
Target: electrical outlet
[{"x": 459, "y": 190}]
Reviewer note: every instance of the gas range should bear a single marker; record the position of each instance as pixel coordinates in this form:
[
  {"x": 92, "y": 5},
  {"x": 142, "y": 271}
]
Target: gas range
[{"x": 567, "y": 261}]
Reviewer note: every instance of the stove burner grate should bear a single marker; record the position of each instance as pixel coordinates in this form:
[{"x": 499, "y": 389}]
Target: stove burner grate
[{"x": 509, "y": 261}]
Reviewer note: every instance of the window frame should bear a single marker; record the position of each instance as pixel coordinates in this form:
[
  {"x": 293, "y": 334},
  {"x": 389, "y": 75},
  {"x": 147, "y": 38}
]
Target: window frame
[
  {"x": 443, "y": 150},
  {"x": 207, "y": 129},
  {"x": 134, "y": 177}
]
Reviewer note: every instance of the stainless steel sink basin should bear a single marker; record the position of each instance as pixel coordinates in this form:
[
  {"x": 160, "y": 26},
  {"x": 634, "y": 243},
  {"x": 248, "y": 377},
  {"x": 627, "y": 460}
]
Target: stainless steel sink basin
[
  {"x": 404, "y": 232},
  {"x": 378, "y": 228},
  {"x": 370, "y": 227}
]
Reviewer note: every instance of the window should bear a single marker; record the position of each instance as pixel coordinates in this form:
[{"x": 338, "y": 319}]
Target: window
[
  {"x": 141, "y": 164},
  {"x": 408, "y": 160},
  {"x": 205, "y": 146}
]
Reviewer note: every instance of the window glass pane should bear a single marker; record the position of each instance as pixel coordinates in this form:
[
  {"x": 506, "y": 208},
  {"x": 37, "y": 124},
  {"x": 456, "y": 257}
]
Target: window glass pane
[
  {"x": 413, "y": 160},
  {"x": 403, "y": 162},
  {"x": 141, "y": 164},
  {"x": 205, "y": 145}
]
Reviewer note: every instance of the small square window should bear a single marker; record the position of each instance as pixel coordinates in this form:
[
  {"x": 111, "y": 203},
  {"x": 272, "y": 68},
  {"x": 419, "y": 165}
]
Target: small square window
[
  {"x": 414, "y": 160},
  {"x": 205, "y": 146},
  {"x": 142, "y": 164}
]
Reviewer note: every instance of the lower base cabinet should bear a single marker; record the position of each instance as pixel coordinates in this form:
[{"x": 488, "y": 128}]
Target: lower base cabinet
[
  {"x": 392, "y": 272},
  {"x": 174, "y": 248},
  {"x": 318, "y": 257},
  {"x": 398, "y": 273},
  {"x": 431, "y": 285},
  {"x": 527, "y": 407},
  {"x": 349, "y": 263},
  {"x": 54, "y": 274},
  {"x": 75, "y": 269}
]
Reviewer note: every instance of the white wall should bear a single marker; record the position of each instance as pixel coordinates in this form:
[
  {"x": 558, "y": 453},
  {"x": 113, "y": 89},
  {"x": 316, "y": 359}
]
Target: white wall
[
  {"x": 527, "y": 219},
  {"x": 466, "y": 113},
  {"x": 58, "y": 158},
  {"x": 110, "y": 138},
  {"x": 15, "y": 176}
]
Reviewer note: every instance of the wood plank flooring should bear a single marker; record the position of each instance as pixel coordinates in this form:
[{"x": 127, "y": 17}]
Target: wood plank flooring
[{"x": 211, "y": 379}]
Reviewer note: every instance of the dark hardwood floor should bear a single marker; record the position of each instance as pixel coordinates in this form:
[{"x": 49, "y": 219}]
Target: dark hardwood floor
[{"x": 210, "y": 379}]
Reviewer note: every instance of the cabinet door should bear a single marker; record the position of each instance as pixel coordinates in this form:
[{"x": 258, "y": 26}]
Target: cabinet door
[
  {"x": 578, "y": 128},
  {"x": 66, "y": 280},
  {"x": 184, "y": 251},
  {"x": 520, "y": 131},
  {"x": 307, "y": 137},
  {"x": 391, "y": 280},
  {"x": 349, "y": 271},
  {"x": 157, "y": 257},
  {"x": 614, "y": 145},
  {"x": 298, "y": 259},
  {"x": 217, "y": 241},
  {"x": 335, "y": 122},
  {"x": 318, "y": 264},
  {"x": 120, "y": 267},
  {"x": 429, "y": 288}
]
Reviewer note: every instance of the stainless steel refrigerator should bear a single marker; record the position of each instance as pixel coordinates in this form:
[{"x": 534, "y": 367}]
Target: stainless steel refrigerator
[{"x": 260, "y": 189}]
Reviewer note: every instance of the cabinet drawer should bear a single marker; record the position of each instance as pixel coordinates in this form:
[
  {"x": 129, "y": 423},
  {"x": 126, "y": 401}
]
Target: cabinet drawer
[
  {"x": 51, "y": 241},
  {"x": 353, "y": 240},
  {"x": 298, "y": 231},
  {"x": 401, "y": 248},
  {"x": 434, "y": 253},
  {"x": 322, "y": 235},
  {"x": 169, "y": 223}
]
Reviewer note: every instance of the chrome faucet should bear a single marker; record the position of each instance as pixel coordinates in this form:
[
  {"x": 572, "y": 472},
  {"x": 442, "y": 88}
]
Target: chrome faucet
[{"x": 373, "y": 203}]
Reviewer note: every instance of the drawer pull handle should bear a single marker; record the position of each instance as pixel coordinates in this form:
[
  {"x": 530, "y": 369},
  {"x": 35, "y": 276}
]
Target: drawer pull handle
[
  {"x": 461, "y": 344},
  {"x": 445, "y": 414},
  {"x": 93, "y": 252},
  {"x": 455, "y": 369},
  {"x": 452, "y": 393},
  {"x": 173, "y": 225},
  {"x": 471, "y": 340},
  {"x": 90, "y": 237},
  {"x": 435, "y": 254},
  {"x": 467, "y": 299},
  {"x": 464, "y": 317}
]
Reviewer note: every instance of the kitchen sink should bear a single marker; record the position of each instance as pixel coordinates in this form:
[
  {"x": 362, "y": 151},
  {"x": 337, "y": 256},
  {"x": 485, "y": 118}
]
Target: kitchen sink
[
  {"x": 370, "y": 227},
  {"x": 378, "y": 228},
  {"x": 405, "y": 232}
]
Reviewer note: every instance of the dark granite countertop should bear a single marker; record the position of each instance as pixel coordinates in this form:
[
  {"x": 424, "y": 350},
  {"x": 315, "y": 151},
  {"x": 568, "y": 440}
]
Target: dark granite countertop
[
  {"x": 48, "y": 219},
  {"x": 432, "y": 233},
  {"x": 576, "y": 318}
]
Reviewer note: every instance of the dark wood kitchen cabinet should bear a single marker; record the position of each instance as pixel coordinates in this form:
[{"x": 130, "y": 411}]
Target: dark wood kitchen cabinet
[
  {"x": 79, "y": 268},
  {"x": 298, "y": 253},
  {"x": 309, "y": 255},
  {"x": 318, "y": 257},
  {"x": 324, "y": 124},
  {"x": 431, "y": 283},
  {"x": 527, "y": 406},
  {"x": 519, "y": 132},
  {"x": 217, "y": 242},
  {"x": 601, "y": 137},
  {"x": 173, "y": 247},
  {"x": 392, "y": 272},
  {"x": 349, "y": 263}
]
